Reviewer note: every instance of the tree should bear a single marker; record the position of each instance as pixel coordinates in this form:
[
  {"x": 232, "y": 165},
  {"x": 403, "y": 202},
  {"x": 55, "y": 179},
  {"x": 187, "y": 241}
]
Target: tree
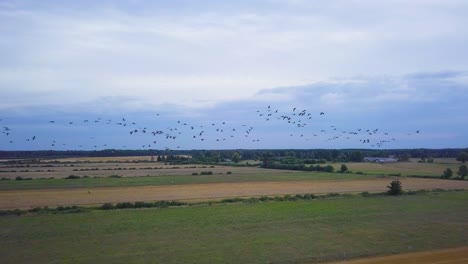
[
  {"x": 236, "y": 157},
  {"x": 395, "y": 188},
  {"x": 405, "y": 157},
  {"x": 343, "y": 168},
  {"x": 447, "y": 173},
  {"x": 462, "y": 171},
  {"x": 463, "y": 157},
  {"x": 328, "y": 168},
  {"x": 356, "y": 156}
]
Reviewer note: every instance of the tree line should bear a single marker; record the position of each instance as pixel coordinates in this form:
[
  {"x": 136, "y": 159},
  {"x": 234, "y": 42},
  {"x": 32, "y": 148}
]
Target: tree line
[{"x": 235, "y": 155}]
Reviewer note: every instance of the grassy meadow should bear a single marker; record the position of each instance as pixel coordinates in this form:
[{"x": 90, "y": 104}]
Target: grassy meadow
[
  {"x": 411, "y": 168},
  {"x": 61, "y": 183},
  {"x": 274, "y": 232}
]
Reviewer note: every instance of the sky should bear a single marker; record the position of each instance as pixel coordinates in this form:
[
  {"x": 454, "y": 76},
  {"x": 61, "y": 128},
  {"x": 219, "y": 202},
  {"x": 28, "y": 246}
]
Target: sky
[{"x": 396, "y": 68}]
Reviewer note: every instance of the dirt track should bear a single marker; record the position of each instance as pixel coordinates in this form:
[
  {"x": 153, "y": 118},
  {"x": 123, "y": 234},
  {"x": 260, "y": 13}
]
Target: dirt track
[
  {"x": 445, "y": 256},
  {"x": 88, "y": 196}
]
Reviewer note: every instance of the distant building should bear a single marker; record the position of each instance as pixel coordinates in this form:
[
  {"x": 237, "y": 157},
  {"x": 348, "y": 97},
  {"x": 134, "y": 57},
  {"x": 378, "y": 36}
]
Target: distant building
[{"x": 380, "y": 160}]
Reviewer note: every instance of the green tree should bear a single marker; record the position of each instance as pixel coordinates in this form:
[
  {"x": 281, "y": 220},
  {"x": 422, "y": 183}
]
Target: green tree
[
  {"x": 356, "y": 156},
  {"x": 236, "y": 157},
  {"x": 343, "y": 168},
  {"x": 462, "y": 171},
  {"x": 395, "y": 188},
  {"x": 447, "y": 173},
  {"x": 463, "y": 157},
  {"x": 328, "y": 168},
  {"x": 405, "y": 157}
]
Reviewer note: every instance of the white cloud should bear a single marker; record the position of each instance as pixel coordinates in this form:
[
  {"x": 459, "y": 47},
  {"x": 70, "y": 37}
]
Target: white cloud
[{"x": 210, "y": 56}]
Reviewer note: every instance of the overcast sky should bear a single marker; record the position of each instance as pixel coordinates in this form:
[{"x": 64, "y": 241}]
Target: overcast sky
[{"x": 396, "y": 66}]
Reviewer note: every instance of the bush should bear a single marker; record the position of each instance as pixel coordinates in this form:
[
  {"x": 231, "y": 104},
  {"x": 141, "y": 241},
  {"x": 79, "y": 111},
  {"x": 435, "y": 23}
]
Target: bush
[
  {"x": 395, "y": 188},
  {"x": 229, "y": 172},
  {"x": 107, "y": 206},
  {"x": 365, "y": 194},
  {"x": 72, "y": 177},
  {"x": 194, "y": 173},
  {"x": 124, "y": 205},
  {"x": 206, "y": 173}
]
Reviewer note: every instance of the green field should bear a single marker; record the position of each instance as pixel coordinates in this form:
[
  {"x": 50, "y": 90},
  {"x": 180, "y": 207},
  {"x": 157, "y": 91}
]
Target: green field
[
  {"x": 403, "y": 168},
  {"x": 278, "y": 232},
  {"x": 172, "y": 180}
]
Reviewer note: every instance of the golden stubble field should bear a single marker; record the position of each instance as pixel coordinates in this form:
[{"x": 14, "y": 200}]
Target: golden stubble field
[{"x": 212, "y": 191}]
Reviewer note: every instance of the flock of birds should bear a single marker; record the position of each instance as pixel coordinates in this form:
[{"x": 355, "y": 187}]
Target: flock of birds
[{"x": 298, "y": 123}]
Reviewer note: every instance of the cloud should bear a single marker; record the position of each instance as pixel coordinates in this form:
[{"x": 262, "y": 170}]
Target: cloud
[{"x": 200, "y": 55}]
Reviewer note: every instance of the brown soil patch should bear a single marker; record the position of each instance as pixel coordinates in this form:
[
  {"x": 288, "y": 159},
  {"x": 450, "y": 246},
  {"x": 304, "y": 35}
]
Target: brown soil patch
[
  {"x": 445, "y": 256},
  {"x": 89, "y": 196}
]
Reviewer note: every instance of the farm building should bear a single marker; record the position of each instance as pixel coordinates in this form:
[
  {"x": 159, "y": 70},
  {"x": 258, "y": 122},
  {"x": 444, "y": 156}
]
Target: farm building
[{"x": 380, "y": 160}]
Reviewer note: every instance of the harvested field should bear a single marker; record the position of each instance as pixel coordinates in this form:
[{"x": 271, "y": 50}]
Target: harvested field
[
  {"x": 444, "y": 256},
  {"x": 89, "y": 196},
  {"x": 36, "y": 171}
]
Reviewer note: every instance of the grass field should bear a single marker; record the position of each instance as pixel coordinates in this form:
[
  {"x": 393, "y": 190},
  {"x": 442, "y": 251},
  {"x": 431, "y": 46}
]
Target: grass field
[
  {"x": 403, "y": 168},
  {"x": 175, "y": 180},
  {"x": 272, "y": 232}
]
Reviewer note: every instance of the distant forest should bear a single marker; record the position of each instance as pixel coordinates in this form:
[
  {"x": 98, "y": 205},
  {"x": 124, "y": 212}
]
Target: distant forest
[{"x": 245, "y": 154}]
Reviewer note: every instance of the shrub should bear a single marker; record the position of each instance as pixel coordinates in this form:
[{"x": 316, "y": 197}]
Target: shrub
[
  {"x": 309, "y": 196},
  {"x": 194, "y": 173},
  {"x": 72, "y": 177},
  {"x": 365, "y": 194},
  {"x": 395, "y": 188},
  {"x": 124, "y": 205},
  {"x": 229, "y": 172},
  {"x": 107, "y": 206},
  {"x": 206, "y": 173}
]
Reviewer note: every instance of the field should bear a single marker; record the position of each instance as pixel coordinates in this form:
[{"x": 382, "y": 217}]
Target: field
[
  {"x": 404, "y": 168},
  {"x": 275, "y": 232},
  {"x": 213, "y": 191},
  {"x": 445, "y": 256},
  {"x": 320, "y": 230}
]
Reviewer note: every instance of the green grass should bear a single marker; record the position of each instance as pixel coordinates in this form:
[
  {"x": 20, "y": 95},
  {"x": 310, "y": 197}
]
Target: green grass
[
  {"x": 170, "y": 180},
  {"x": 403, "y": 168},
  {"x": 302, "y": 231}
]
